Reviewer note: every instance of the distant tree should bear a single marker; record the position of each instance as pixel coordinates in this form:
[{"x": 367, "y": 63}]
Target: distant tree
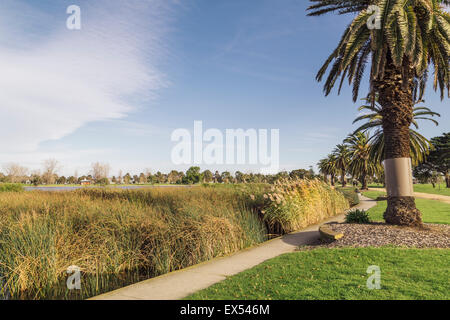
[
  {"x": 207, "y": 176},
  {"x": 15, "y": 173},
  {"x": 127, "y": 178},
  {"x": 50, "y": 169},
  {"x": 438, "y": 160},
  {"x": 361, "y": 165},
  {"x": 99, "y": 171},
  {"x": 102, "y": 181},
  {"x": 192, "y": 176},
  {"x": 281, "y": 175},
  {"x": 61, "y": 180},
  {"x": 160, "y": 177},
  {"x": 311, "y": 173},
  {"x": 72, "y": 180},
  {"x": 342, "y": 154},
  {"x": 35, "y": 179},
  {"x": 142, "y": 178},
  {"x": 174, "y": 177},
  {"x": 217, "y": 177},
  {"x": 226, "y": 177},
  {"x": 299, "y": 173}
]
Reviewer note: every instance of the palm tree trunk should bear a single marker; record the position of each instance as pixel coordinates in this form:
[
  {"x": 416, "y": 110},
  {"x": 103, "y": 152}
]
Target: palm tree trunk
[
  {"x": 364, "y": 182},
  {"x": 447, "y": 179},
  {"x": 343, "y": 180},
  {"x": 395, "y": 97}
]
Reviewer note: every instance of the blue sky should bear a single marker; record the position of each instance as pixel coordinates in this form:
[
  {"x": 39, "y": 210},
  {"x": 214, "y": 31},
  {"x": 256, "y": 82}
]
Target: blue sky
[{"x": 115, "y": 90}]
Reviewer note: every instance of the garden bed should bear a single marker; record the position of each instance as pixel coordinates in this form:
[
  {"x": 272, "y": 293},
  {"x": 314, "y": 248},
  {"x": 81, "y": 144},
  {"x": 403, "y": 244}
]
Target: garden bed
[{"x": 381, "y": 234}]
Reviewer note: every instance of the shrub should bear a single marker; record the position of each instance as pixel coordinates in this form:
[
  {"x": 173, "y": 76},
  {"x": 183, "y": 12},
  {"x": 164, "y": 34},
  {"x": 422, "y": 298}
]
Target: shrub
[
  {"x": 10, "y": 187},
  {"x": 357, "y": 216},
  {"x": 293, "y": 204}
]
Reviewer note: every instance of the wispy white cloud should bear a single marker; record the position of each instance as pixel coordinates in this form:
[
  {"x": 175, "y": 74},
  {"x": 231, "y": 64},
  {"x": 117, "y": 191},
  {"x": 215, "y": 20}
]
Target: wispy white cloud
[{"x": 53, "y": 80}]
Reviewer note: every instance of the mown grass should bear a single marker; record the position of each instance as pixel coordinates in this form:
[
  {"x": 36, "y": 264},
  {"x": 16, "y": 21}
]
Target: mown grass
[
  {"x": 428, "y": 188},
  {"x": 440, "y": 188},
  {"x": 433, "y": 211},
  {"x": 340, "y": 274},
  {"x": 118, "y": 237}
]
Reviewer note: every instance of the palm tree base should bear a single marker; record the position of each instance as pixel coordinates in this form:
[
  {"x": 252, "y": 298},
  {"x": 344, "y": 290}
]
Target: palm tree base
[{"x": 402, "y": 211}]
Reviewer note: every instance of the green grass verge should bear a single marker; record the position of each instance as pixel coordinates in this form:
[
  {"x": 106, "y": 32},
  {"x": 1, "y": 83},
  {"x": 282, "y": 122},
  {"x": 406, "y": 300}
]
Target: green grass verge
[
  {"x": 424, "y": 188},
  {"x": 433, "y": 211},
  {"x": 428, "y": 188},
  {"x": 340, "y": 274}
]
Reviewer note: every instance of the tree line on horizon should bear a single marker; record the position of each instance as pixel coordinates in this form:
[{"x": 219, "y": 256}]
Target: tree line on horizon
[{"x": 99, "y": 174}]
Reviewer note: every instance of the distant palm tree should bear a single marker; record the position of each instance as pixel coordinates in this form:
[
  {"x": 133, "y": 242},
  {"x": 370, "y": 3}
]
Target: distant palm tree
[
  {"x": 420, "y": 146},
  {"x": 342, "y": 154},
  {"x": 401, "y": 39},
  {"x": 361, "y": 164},
  {"x": 327, "y": 167}
]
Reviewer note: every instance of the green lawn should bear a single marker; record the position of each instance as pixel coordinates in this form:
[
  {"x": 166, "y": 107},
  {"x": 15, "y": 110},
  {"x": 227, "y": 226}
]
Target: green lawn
[
  {"x": 425, "y": 188},
  {"x": 340, "y": 274},
  {"x": 428, "y": 188},
  {"x": 433, "y": 211}
]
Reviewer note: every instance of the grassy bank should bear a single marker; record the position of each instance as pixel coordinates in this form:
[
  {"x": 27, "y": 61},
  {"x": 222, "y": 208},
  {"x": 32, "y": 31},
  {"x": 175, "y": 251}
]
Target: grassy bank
[
  {"x": 340, "y": 274},
  {"x": 11, "y": 187},
  {"x": 433, "y": 211},
  {"x": 118, "y": 237}
]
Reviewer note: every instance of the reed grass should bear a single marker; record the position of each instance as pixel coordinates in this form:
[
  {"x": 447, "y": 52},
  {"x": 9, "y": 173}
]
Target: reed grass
[
  {"x": 296, "y": 204},
  {"x": 118, "y": 237}
]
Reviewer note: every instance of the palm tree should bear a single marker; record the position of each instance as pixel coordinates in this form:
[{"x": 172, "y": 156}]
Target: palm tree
[
  {"x": 361, "y": 164},
  {"x": 420, "y": 146},
  {"x": 327, "y": 166},
  {"x": 342, "y": 154},
  {"x": 411, "y": 36}
]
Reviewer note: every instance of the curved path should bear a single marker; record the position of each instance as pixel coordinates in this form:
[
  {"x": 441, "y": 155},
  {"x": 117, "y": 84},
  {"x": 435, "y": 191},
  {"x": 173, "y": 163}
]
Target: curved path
[
  {"x": 422, "y": 195},
  {"x": 182, "y": 283}
]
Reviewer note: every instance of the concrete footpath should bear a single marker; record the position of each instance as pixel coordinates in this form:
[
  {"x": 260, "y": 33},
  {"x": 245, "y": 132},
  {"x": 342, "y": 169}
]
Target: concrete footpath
[
  {"x": 422, "y": 195},
  {"x": 179, "y": 284}
]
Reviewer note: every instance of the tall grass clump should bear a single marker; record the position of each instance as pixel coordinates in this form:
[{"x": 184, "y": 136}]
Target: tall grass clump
[
  {"x": 115, "y": 237},
  {"x": 294, "y": 204},
  {"x": 11, "y": 187}
]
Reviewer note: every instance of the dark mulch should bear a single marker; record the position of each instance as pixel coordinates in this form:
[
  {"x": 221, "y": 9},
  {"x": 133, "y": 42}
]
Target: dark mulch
[{"x": 380, "y": 234}]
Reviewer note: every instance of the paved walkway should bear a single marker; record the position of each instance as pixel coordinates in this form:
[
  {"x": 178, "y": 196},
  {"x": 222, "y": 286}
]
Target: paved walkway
[
  {"x": 422, "y": 195},
  {"x": 179, "y": 284}
]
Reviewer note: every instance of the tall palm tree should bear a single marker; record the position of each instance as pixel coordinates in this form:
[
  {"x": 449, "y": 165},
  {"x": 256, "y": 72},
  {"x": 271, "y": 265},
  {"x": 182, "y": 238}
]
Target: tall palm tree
[
  {"x": 361, "y": 164},
  {"x": 342, "y": 154},
  {"x": 411, "y": 35},
  {"x": 420, "y": 146}
]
